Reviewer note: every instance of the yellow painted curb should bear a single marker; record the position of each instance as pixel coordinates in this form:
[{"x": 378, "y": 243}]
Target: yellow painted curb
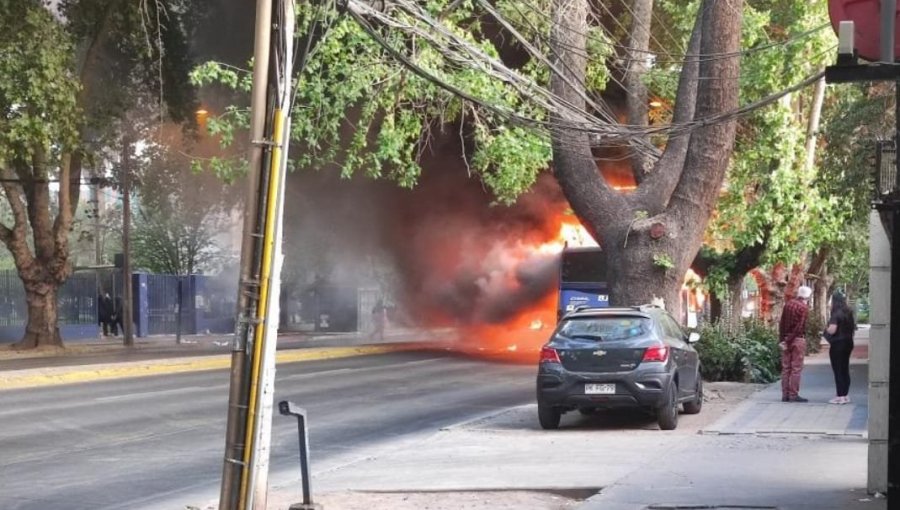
[{"x": 51, "y": 376}]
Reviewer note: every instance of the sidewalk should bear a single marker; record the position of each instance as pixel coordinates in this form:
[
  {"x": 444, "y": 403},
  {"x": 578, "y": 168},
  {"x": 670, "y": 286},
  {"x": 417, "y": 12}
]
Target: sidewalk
[
  {"x": 766, "y": 454},
  {"x": 760, "y": 454}
]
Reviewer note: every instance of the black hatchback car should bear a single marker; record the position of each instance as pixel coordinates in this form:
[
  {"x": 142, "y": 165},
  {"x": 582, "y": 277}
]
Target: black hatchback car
[{"x": 613, "y": 358}]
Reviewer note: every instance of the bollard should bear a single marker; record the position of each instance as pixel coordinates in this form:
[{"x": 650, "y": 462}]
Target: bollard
[{"x": 287, "y": 408}]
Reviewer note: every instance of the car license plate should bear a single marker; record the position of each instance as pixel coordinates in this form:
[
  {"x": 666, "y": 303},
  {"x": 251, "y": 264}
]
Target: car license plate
[{"x": 599, "y": 389}]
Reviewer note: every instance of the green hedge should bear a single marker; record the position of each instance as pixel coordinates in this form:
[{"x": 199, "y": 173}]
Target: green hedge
[{"x": 746, "y": 353}]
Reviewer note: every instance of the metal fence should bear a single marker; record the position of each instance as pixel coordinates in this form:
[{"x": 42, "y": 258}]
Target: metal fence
[
  {"x": 214, "y": 304},
  {"x": 163, "y": 304},
  {"x": 207, "y": 305},
  {"x": 77, "y": 300}
]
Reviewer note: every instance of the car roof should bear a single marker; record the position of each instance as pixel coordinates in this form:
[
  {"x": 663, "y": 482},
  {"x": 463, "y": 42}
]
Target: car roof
[{"x": 638, "y": 311}]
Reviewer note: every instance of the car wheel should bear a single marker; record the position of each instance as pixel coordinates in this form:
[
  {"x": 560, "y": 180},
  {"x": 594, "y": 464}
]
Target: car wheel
[
  {"x": 667, "y": 414},
  {"x": 694, "y": 406},
  {"x": 548, "y": 416}
]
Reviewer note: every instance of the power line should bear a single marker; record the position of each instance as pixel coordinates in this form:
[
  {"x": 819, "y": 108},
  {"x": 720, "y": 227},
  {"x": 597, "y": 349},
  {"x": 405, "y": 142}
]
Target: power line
[{"x": 605, "y": 133}]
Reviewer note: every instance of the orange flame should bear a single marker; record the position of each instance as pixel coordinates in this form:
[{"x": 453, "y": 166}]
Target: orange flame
[{"x": 520, "y": 338}]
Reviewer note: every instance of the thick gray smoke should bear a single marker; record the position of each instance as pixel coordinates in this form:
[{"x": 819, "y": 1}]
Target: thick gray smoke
[
  {"x": 451, "y": 257},
  {"x": 444, "y": 251}
]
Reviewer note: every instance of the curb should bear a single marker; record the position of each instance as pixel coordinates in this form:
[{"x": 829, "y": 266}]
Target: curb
[{"x": 52, "y": 376}]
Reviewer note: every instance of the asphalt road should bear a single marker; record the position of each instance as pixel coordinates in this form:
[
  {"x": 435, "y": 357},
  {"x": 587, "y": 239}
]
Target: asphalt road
[{"x": 157, "y": 442}]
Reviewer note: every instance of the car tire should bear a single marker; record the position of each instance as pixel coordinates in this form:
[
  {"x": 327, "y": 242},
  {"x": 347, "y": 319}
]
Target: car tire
[
  {"x": 548, "y": 416},
  {"x": 667, "y": 414},
  {"x": 694, "y": 406}
]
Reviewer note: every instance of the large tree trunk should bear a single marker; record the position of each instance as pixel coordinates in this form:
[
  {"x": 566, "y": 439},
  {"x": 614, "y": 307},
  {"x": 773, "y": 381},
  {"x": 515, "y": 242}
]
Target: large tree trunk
[
  {"x": 652, "y": 235},
  {"x": 636, "y": 67},
  {"x": 42, "y": 329},
  {"x": 818, "y": 269},
  {"x": 735, "y": 303},
  {"x": 640, "y": 271},
  {"x": 44, "y": 270},
  {"x": 716, "y": 308}
]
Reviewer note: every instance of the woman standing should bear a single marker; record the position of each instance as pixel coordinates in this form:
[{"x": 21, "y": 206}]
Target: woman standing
[{"x": 839, "y": 333}]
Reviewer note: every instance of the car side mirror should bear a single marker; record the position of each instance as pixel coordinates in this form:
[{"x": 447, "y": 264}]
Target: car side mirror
[{"x": 693, "y": 337}]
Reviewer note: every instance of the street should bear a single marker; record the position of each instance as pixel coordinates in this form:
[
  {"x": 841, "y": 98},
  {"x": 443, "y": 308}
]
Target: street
[
  {"x": 157, "y": 442},
  {"x": 430, "y": 429}
]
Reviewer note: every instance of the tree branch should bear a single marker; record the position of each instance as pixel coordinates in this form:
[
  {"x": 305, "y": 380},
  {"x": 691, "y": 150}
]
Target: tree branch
[
  {"x": 14, "y": 238},
  {"x": 749, "y": 257},
  {"x": 16, "y": 201},
  {"x": 654, "y": 192},
  {"x": 69, "y": 192},
  {"x": 38, "y": 194},
  {"x": 710, "y": 147},
  {"x": 573, "y": 162},
  {"x": 819, "y": 259},
  {"x": 637, "y": 65}
]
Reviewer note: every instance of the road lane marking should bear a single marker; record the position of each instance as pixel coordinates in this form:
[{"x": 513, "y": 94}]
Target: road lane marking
[
  {"x": 173, "y": 391},
  {"x": 307, "y": 375}
]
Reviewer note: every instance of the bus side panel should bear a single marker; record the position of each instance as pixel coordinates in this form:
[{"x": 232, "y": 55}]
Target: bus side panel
[{"x": 569, "y": 299}]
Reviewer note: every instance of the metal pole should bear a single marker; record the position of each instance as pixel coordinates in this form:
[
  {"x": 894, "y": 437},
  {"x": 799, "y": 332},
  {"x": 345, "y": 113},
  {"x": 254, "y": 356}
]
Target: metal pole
[
  {"x": 888, "y": 22},
  {"x": 288, "y": 408},
  {"x": 233, "y": 467},
  {"x": 178, "y": 307},
  {"x": 262, "y": 383},
  {"x": 893, "y": 468},
  {"x": 304, "y": 460},
  {"x": 97, "y": 204},
  {"x": 127, "y": 290}
]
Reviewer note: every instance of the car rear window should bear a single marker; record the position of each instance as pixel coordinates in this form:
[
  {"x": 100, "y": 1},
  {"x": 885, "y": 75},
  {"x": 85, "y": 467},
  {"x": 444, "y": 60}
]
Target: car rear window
[{"x": 605, "y": 328}]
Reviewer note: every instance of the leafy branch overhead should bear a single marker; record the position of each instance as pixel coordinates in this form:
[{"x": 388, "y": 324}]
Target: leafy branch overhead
[
  {"x": 391, "y": 113},
  {"x": 526, "y": 85}
]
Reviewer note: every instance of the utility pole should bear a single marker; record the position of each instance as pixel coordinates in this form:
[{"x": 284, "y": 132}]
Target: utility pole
[
  {"x": 127, "y": 332},
  {"x": 232, "y": 471},
  {"x": 248, "y": 431},
  {"x": 97, "y": 204}
]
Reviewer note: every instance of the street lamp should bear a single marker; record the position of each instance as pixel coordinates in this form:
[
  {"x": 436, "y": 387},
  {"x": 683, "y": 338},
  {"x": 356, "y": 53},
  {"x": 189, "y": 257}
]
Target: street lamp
[
  {"x": 887, "y": 189},
  {"x": 200, "y": 116}
]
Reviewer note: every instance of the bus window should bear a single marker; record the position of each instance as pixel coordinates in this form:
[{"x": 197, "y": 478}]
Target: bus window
[{"x": 583, "y": 266}]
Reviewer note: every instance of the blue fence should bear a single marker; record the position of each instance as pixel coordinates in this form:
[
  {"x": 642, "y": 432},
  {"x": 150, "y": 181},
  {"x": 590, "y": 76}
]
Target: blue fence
[
  {"x": 207, "y": 304},
  {"x": 77, "y": 307}
]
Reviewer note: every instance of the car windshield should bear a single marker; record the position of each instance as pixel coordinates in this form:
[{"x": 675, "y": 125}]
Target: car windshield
[{"x": 605, "y": 328}]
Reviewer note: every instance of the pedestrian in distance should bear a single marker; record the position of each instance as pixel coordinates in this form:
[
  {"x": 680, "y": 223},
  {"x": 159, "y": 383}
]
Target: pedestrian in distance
[
  {"x": 792, "y": 342},
  {"x": 378, "y": 320},
  {"x": 116, "y": 319},
  {"x": 839, "y": 334},
  {"x": 105, "y": 312}
]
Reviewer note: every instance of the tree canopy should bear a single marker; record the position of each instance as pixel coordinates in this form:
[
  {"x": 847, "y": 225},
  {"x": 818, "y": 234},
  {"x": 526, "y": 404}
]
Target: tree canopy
[
  {"x": 69, "y": 73},
  {"x": 384, "y": 78}
]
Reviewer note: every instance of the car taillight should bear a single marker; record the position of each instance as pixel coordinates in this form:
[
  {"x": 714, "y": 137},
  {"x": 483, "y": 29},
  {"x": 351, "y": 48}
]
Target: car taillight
[
  {"x": 657, "y": 353},
  {"x": 549, "y": 355}
]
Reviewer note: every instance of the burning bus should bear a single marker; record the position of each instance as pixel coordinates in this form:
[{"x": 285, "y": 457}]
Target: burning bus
[
  {"x": 582, "y": 279},
  {"x": 583, "y": 282}
]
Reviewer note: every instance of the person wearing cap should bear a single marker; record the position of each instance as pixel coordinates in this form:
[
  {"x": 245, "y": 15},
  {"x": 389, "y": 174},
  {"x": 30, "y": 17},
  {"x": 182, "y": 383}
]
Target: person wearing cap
[
  {"x": 792, "y": 342},
  {"x": 839, "y": 333}
]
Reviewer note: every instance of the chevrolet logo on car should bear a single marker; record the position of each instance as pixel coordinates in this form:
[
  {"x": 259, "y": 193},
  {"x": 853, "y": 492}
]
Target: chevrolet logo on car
[{"x": 599, "y": 353}]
